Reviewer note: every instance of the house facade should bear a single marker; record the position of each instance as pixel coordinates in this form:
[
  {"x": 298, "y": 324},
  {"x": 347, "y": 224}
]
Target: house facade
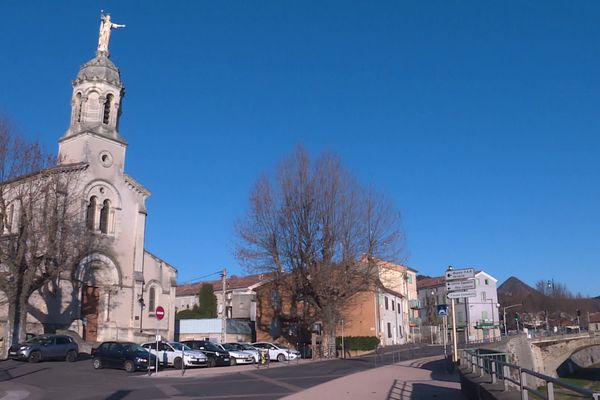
[{"x": 477, "y": 318}]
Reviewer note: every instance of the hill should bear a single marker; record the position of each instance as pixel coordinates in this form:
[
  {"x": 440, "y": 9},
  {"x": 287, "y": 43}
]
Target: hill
[{"x": 534, "y": 303}]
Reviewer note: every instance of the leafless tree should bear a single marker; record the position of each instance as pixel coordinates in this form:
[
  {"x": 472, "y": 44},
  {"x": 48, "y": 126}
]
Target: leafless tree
[
  {"x": 320, "y": 233},
  {"x": 42, "y": 230}
]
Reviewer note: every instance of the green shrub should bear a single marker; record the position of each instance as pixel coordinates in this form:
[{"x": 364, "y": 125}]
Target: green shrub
[{"x": 358, "y": 342}]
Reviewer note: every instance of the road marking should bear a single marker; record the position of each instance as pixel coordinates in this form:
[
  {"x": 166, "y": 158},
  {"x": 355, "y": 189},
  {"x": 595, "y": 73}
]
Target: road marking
[
  {"x": 272, "y": 381},
  {"x": 167, "y": 389},
  {"x": 260, "y": 396},
  {"x": 15, "y": 395}
]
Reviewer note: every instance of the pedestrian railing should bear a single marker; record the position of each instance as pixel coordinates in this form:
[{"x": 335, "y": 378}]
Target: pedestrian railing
[{"x": 521, "y": 379}]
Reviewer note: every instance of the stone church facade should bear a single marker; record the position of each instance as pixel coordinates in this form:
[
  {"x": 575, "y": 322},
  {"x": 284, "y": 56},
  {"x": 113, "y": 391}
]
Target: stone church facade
[{"x": 111, "y": 295}]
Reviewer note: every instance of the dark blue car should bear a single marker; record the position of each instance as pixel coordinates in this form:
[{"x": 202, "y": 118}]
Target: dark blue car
[
  {"x": 45, "y": 347},
  {"x": 123, "y": 355}
]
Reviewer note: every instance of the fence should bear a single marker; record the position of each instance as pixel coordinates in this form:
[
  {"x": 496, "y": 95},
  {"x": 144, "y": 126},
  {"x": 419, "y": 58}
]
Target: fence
[{"x": 513, "y": 376}]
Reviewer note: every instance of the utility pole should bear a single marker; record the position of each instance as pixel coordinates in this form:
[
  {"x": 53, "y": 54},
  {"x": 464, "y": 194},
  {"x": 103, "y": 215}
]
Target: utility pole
[{"x": 224, "y": 306}]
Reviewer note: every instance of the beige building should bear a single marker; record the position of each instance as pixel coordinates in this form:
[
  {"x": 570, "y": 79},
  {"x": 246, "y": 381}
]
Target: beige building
[{"x": 102, "y": 299}]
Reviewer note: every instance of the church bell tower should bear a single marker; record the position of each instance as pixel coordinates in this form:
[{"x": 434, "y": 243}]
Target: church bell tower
[{"x": 95, "y": 104}]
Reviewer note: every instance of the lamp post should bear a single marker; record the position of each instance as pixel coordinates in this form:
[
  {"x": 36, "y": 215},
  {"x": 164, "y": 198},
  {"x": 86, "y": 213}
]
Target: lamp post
[{"x": 504, "y": 310}]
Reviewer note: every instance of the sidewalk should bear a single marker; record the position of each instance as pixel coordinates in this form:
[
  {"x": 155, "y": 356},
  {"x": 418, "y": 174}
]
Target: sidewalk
[{"x": 414, "y": 379}]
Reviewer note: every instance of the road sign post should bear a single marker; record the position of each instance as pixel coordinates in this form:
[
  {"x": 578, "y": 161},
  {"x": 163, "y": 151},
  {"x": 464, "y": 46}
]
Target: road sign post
[
  {"x": 459, "y": 284},
  {"x": 159, "y": 313}
]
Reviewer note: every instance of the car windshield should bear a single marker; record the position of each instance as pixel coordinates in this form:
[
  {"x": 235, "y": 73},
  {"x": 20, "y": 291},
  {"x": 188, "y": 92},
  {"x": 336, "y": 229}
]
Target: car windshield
[
  {"x": 179, "y": 346},
  {"x": 133, "y": 347},
  {"x": 39, "y": 340},
  {"x": 212, "y": 347},
  {"x": 230, "y": 346},
  {"x": 247, "y": 347}
]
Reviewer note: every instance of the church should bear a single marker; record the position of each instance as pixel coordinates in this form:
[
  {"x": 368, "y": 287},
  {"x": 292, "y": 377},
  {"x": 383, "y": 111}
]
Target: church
[{"x": 110, "y": 295}]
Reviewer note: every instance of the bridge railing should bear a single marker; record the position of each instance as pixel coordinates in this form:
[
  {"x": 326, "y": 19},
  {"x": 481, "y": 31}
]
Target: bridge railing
[{"x": 513, "y": 376}]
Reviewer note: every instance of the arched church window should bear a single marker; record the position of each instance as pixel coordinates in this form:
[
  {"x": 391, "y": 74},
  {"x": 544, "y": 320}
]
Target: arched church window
[
  {"x": 78, "y": 107},
  {"x": 104, "y": 216},
  {"x": 90, "y": 217},
  {"x": 107, "y": 105},
  {"x": 151, "y": 299}
]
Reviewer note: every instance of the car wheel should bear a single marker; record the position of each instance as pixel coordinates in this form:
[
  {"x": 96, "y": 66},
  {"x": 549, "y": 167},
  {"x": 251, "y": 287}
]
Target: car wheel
[
  {"x": 280, "y": 357},
  {"x": 233, "y": 361},
  {"x": 129, "y": 366},
  {"x": 211, "y": 362},
  {"x": 71, "y": 356},
  {"x": 35, "y": 356},
  {"x": 97, "y": 363},
  {"x": 178, "y": 363}
]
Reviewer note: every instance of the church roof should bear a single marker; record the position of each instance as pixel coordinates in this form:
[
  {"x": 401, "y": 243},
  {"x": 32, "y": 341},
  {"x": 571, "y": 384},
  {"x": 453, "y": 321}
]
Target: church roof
[
  {"x": 60, "y": 168},
  {"x": 99, "y": 68}
]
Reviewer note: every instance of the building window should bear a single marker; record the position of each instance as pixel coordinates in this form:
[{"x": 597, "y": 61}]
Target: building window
[
  {"x": 393, "y": 309},
  {"x": 486, "y": 282},
  {"x": 484, "y": 315},
  {"x": 398, "y": 308},
  {"x": 389, "y": 325},
  {"x": 409, "y": 278},
  {"x": 77, "y": 107},
  {"x": 107, "y": 105},
  {"x": 151, "y": 299},
  {"x": 386, "y": 302},
  {"x": 91, "y": 213},
  {"x": 104, "y": 216},
  {"x": 483, "y": 296}
]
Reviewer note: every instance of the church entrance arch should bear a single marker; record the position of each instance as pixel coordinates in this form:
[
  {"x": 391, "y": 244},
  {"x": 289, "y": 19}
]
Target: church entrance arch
[{"x": 98, "y": 276}]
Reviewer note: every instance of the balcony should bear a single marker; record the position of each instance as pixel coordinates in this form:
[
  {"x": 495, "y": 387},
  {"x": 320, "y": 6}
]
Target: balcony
[
  {"x": 414, "y": 304},
  {"x": 414, "y": 321}
]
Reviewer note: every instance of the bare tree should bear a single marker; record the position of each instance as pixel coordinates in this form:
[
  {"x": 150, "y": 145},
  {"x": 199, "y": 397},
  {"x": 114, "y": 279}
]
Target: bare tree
[
  {"x": 320, "y": 233},
  {"x": 42, "y": 230}
]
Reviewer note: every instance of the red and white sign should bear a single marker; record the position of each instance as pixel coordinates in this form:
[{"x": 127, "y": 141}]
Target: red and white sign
[{"x": 159, "y": 313}]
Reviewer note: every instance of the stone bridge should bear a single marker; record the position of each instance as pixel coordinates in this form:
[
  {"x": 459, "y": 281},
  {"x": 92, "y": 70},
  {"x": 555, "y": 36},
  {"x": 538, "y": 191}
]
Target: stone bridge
[{"x": 546, "y": 354}]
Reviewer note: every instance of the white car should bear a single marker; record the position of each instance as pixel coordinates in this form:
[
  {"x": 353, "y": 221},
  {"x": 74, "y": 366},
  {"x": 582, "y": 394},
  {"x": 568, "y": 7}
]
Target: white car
[
  {"x": 169, "y": 353},
  {"x": 248, "y": 348},
  {"x": 237, "y": 356},
  {"x": 277, "y": 352}
]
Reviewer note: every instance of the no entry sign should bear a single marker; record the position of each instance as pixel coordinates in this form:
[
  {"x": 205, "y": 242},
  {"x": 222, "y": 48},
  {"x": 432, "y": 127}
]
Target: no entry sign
[{"x": 160, "y": 313}]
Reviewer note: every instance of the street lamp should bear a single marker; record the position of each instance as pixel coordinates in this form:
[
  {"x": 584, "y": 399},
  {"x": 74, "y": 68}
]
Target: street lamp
[{"x": 504, "y": 310}]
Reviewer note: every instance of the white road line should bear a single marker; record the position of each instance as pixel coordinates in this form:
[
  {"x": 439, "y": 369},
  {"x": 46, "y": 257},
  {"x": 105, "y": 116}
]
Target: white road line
[
  {"x": 272, "y": 381},
  {"x": 15, "y": 395}
]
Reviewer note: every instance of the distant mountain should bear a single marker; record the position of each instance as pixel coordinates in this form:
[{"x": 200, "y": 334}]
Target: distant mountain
[{"x": 514, "y": 291}]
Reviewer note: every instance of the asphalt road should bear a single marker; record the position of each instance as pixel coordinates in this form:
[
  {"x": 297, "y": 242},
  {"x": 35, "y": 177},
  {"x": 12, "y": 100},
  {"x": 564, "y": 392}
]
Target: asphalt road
[{"x": 78, "y": 380}]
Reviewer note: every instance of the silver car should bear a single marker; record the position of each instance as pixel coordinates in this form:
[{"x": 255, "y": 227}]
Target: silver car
[
  {"x": 237, "y": 356},
  {"x": 246, "y": 348}
]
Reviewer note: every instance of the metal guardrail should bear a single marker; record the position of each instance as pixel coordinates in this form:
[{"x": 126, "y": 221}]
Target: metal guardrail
[{"x": 516, "y": 377}]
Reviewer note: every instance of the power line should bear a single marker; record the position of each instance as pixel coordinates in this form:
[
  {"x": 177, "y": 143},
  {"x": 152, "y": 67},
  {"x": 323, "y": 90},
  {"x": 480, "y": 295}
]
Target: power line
[{"x": 201, "y": 277}]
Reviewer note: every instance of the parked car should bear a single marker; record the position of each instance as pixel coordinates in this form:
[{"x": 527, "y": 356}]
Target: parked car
[
  {"x": 238, "y": 356},
  {"x": 123, "y": 355},
  {"x": 216, "y": 355},
  {"x": 169, "y": 353},
  {"x": 243, "y": 347},
  {"x": 45, "y": 347},
  {"x": 277, "y": 352}
]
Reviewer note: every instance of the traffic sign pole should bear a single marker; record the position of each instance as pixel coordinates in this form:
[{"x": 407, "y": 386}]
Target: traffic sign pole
[
  {"x": 454, "y": 341},
  {"x": 159, "y": 313}
]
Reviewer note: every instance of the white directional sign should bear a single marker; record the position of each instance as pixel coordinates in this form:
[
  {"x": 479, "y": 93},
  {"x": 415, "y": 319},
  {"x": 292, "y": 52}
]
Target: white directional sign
[
  {"x": 460, "y": 285},
  {"x": 464, "y": 273},
  {"x": 462, "y": 294}
]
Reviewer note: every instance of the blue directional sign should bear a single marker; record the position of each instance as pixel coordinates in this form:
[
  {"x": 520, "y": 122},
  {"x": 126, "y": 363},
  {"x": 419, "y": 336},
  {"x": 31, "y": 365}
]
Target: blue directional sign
[{"x": 442, "y": 310}]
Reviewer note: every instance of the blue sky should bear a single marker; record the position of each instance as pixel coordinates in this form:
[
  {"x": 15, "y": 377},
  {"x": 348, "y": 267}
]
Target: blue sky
[{"x": 479, "y": 119}]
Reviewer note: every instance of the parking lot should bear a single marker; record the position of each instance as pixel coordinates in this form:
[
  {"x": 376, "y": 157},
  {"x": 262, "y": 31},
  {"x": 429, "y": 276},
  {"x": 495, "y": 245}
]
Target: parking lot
[{"x": 78, "y": 380}]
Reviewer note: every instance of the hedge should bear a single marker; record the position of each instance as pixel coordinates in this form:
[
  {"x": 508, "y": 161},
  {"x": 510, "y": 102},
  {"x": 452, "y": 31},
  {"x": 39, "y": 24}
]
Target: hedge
[{"x": 358, "y": 342}]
